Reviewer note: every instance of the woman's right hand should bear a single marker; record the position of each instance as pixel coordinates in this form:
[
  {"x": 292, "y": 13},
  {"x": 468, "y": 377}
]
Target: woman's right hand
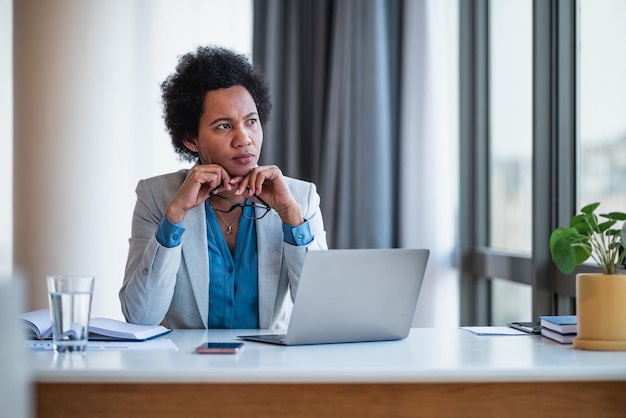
[{"x": 200, "y": 180}]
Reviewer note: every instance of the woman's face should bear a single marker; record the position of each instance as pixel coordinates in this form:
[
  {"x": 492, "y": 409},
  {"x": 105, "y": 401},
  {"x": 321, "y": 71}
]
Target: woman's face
[{"x": 229, "y": 131}]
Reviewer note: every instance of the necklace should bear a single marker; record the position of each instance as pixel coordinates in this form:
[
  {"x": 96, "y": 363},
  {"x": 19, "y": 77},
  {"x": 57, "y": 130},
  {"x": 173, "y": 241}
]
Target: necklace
[{"x": 229, "y": 227}]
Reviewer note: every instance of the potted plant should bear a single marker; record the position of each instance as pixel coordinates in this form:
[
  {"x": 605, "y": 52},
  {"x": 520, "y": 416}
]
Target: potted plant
[{"x": 600, "y": 298}]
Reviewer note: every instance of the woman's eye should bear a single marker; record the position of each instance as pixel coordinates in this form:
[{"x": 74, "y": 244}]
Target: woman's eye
[
  {"x": 223, "y": 126},
  {"x": 252, "y": 121}
]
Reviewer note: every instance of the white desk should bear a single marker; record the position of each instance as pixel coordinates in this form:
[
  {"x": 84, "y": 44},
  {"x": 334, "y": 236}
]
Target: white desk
[{"x": 434, "y": 372}]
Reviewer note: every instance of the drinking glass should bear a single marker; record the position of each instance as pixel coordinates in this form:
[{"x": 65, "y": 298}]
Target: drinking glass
[{"x": 70, "y": 308}]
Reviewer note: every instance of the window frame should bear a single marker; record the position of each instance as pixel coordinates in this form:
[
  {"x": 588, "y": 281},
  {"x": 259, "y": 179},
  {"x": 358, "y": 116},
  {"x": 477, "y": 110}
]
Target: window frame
[{"x": 555, "y": 130}]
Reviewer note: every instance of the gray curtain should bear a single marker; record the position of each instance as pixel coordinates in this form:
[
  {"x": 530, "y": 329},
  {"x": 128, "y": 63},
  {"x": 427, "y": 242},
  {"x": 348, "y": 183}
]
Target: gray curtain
[{"x": 334, "y": 71}]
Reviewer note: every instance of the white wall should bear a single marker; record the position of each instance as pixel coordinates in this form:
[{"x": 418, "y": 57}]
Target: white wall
[{"x": 88, "y": 125}]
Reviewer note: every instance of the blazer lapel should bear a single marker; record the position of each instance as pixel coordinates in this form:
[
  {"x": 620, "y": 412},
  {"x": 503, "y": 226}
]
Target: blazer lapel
[
  {"x": 196, "y": 258},
  {"x": 269, "y": 247}
]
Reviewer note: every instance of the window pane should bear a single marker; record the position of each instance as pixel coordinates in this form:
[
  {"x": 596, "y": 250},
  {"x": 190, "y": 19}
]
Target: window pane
[
  {"x": 510, "y": 302},
  {"x": 510, "y": 124},
  {"x": 602, "y": 104}
]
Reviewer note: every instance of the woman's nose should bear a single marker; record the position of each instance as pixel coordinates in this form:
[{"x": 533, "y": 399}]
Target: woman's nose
[{"x": 241, "y": 137}]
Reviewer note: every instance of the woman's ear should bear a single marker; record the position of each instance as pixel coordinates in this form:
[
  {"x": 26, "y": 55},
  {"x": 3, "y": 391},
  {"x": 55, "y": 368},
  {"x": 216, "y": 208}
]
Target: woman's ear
[{"x": 191, "y": 145}]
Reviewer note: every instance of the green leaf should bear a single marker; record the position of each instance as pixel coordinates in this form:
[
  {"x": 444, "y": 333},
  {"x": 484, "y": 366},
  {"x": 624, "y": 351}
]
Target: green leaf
[
  {"x": 563, "y": 256},
  {"x": 582, "y": 251},
  {"x": 590, "y": 208},
  {"x": 583, "y": 224},
  {"x": 604, "y": 226},
  {"x": 580, "y": 218},
  {"x": 613, "y": 233},
  {"x": 568, "y": 248},
  {"x": 617, "y": 216},
  {"x": 567, "y": 234}
]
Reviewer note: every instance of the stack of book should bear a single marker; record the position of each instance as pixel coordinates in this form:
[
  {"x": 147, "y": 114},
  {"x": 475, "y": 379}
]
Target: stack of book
[{"x": 561, "y": 328}]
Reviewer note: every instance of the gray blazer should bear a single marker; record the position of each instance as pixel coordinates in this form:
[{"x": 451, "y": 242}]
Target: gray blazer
[{"x": 171, "y": 285}]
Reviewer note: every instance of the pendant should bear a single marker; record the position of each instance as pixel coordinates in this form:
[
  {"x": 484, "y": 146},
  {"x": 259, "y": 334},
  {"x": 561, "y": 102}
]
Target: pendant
[{"x": 229, "y": 230}]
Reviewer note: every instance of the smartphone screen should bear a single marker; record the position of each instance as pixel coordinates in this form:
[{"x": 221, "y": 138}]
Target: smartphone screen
[{"x": 219, "y": 348}]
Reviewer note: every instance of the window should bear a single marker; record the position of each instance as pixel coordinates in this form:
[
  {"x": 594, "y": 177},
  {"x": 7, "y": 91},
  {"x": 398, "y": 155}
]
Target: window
[
  {"x": 601, "y": 174},
  {"x": 510, "y": 124},
  {"x": 523, "y": 171},
  {"x": 510, "y": 148}
]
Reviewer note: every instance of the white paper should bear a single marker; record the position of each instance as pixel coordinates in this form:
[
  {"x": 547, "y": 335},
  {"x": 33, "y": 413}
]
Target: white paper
[{"x": 494, "y": 331}]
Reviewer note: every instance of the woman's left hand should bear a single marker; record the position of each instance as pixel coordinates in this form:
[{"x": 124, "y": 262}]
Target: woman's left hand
[{"x": 268, "y": 182}]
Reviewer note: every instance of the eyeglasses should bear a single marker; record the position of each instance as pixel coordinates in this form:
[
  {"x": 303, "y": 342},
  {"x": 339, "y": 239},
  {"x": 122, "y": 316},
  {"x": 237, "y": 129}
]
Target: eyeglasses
[{"x": 262, "y": 207}]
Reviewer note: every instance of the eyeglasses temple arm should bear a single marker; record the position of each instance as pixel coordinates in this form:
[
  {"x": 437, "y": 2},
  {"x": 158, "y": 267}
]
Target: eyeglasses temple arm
[{"x": 257, "y": 197}]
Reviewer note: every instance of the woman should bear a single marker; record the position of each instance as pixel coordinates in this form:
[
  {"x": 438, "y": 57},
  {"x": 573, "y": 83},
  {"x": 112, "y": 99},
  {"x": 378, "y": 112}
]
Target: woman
[{"x": 220, "y": 245}]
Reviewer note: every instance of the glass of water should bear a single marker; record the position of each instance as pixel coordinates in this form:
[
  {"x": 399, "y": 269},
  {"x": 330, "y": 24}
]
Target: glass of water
[{"x": 70, "y": 307}]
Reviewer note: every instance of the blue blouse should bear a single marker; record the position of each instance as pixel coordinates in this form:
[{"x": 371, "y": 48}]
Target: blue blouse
[{"x": 233, "y": 287}]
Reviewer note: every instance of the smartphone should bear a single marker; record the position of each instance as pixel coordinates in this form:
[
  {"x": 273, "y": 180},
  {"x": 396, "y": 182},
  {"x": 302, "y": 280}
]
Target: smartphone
[
  {"x": 530, "y": 327},
  {"x": 219, "y": 348}
]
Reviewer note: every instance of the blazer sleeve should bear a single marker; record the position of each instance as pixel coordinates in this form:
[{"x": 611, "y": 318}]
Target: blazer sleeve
[
  {"x": 293, "y": 254},
  {"x": 150, "y": 276}
]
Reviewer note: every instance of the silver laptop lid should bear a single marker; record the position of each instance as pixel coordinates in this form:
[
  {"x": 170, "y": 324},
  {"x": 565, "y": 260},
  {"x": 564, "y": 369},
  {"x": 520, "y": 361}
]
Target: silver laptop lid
[{"x": 356, "y": 295}]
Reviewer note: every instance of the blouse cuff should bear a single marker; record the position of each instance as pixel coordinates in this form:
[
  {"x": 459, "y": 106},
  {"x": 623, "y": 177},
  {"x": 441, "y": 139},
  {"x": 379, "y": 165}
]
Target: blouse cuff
[
  {"x": 299, "y": 235},
  {"x": 170, "y": 235}
]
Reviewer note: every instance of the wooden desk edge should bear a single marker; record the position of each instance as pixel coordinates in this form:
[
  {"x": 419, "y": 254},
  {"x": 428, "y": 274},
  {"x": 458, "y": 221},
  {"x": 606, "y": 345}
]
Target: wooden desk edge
[{"x": 156, "y": 400}]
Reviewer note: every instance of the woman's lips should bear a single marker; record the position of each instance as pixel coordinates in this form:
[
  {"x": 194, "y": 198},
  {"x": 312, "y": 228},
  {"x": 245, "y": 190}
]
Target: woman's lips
[{"x": 244, "y": 158}]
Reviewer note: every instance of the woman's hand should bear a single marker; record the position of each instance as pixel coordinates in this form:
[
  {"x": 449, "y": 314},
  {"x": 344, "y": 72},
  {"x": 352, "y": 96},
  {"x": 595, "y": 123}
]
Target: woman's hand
[
  {"x": 268, "y": 182},
  {"x": 200, "y": 180}
]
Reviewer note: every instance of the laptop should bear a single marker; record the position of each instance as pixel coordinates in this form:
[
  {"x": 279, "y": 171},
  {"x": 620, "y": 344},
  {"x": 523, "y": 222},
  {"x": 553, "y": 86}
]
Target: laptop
[{"x": 354, "y": 295}]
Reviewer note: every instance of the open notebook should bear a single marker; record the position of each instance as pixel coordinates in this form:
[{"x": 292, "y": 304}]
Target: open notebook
[
  {"x": 38, "y": 326},
  {"x": 353, "y": 296}
]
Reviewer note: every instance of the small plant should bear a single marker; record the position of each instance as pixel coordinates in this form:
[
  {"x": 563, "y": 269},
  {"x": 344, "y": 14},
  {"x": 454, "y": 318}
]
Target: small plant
[{"x": 587, "y": 237}]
